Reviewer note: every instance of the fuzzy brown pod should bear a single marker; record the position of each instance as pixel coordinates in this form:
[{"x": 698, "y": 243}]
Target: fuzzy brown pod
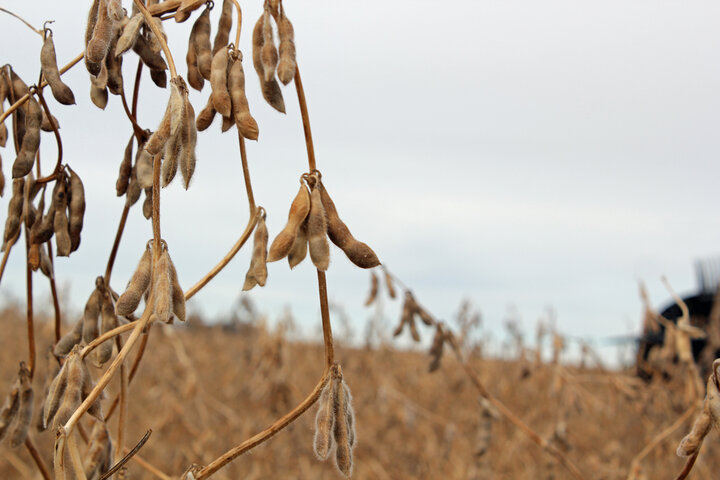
[
  {"x": 128, "y": 302},
  {"x": 10, "y": 409},
  {"x": 218, "y": 81},
  {"x": 257, "y": 273},
  {"x": 298, "y": 212},
  {"x": 407, "y": 317},
  {"x": 159, "y": 77},
  {"x": 692, "y": 442},
  {"x": 286, "y": 64},
  {"x": 113, "y": 66},
  {"x": 270, "y": 89},
  {"x": 202, "y": 44},
  {"x": 93, "y": 68},
  {"x": 31, "y": 140},
  {"x": 55, "y": 395},
  {"x": 144, "y": 169},
  {"x": 18, "y": 88},
  {"x": 99, "y": 456},
  {"x": 69, "y": 340},
  {"x": 48, "y": 62},
  {"x": 162, "y": 288},
  {"x": 436, "y": 349},
  {"x": 72, "y": 396},
  {"x": 299, "y": 248},
  {"x": 153, "y": 60},
  {"x": 25, "y": 408},
  {"x": 49, "y": 123},
  {"x": 357, "y": 252},
  {"x": 46, "y": 266},
  {"x": 129, "y": 34},
  {"x": 91, "y": 313},
  {"x": 374, "y": 284},
  {"x": 98, "y": 88},
  {"x": 102, "y": 33},
  {"x": 344, "y": 429},
  {"x": 173, "y": 149},
  {"x": 206, "y": 116},
  {"x": 15, "y": 208},
  {"x": 108, "y": 321},
  {"x": 178, "y": 296},
  {"x": 241, "y": 110},
  {"x": 147, "y": 204},
  {"x": 87, "y": 385},
  {"x": 195, "y": 79},
  {"x": 61, "y": 224},
  {"x": 188, "y": 141},
  {"x": 52, "y": 370},
  {"x": 317, "y": 232},
  {"x": 222, "y": 37},
  {"x": 268, "y": 52},
  {"x": 171, "y": 118},
  {"x": 42, "y": 230},
  {"x": 227, "y": 124},
  {"x": 134, "y": 190},
  {"x": 76, "y": 208},
  {"x": 125, "y": 170},
  {"x": 390, "y": 284},
  {"x": 325, "y": 420},
  {"x": 184, "y": 10}
]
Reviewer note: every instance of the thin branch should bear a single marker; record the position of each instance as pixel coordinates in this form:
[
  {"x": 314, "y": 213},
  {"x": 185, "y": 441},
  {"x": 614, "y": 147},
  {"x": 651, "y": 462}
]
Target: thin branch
[
  {"x": 127, "y": 457},
  {"x": 171, "y": 5},
  {"x": 6, "y": 254},
  {"x": 246, "y": 172},
  {"x": 256, "y": 440},
  {"x": 159, "y": 35},
  {"x": 239, "y": 24},
  {"x": 53, "y": 290},
  {"x": 58, "y": 140},
  {"x": 226, "y": 259},
  {"x": 106, "y": 336},
  {"x": 305, "y": 119},
  {"x": 688, "y": 466},
  {"x": 37, "y": 458},
  {"x": 75, "y": 458},
  {"x": 116, "y": 243},
  {"x": 39, "y": 32},
  {"x": 29, "y": 307},
  {"x": 325, "y": 314}
]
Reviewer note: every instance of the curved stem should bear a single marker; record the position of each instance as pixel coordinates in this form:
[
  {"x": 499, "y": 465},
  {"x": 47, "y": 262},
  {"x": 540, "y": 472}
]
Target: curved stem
[
  {"x": 688, "y": 466},
  {"x": 27, "y": 24},
  {"x": 256, "y": 440},
  {"x": 246, "y": 172},
  {"x": 305, "y": 119},
  {"x": 239, "y": 24},
  {"x": 18, "y": 103},
  {"x": 116, "y": 243},
  {"x": 252, "y": 221},
  {"x": 37, "y": 458},
  {"x": 137, "y": 129},
  {"x": 159, "y": 35},
  {"x": 325, "y": 314},
  {"x": 107, "y": 336}
]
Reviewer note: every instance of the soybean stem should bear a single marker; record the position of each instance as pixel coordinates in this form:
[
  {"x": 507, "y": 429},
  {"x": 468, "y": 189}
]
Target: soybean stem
[
  {"x": 149, "y": 21},
  {"x": 29, "y": 307},
  {"x": 37, "y": 458}
]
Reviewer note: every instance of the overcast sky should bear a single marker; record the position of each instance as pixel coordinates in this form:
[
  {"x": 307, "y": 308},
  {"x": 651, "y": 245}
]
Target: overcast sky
[{"x": 516, "y": 153}]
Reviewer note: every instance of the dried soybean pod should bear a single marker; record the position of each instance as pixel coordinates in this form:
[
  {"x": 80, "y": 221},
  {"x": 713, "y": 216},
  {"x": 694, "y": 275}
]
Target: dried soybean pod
[
  {"x": 140, "y": 281},
  {"x": 224, "y": 26},
  {"x": 273, "y": 95},
  {"x": 18, "y": 89},
  {"x": 60, "y": 221},
  {"x": 52, "y": 370},
  {"x": 389, "y": 284},
  {"x": 162, "y": 286},
  {"x": 134, "y": 190},
  {"x": 156, "y": 142},
  {"x": 218, "y": 82},
  {"x": 317, "y": 232},
  {"x": 93, "y": 68},
  {"x": 147, "y": 204},
  {"x": 121, "y": 185},
  {"x": 236, "y": 83},
  {"x": 691, "y": 443},
  {"x": 69, "y": 340},
  {"x": 25, "y": 409},
  {"x": 436, "y": 349},
  {"x": 357, "y": 252},
  {"x": 348, "y": 413},
  {"x": 206, "y": 116},
  {"x": 46, "y": 266},
  {"x": 374, "y": 283},
  {"x": 298, "y": 211},
  {"x": 227, "y": 124},
  {"x": 48, "y": 123},
  {"x": 87, "y": 385},
  {"x": 189, "y": 140},
  {"x": 109, "y": 321},
  {"x": 153, "y": 42},
  {"x": 202, "y": 44},
  {"x": 113, "y": 65},
  {"x": 15, "y": 208},
  {"x": 99, "y": 43},
  {"x": 144, "y": 168},
  {"x": 342, "y": 430},
  {"x": 270, "y": 89},
  {"x": 129, "y": 34},
  {"x": 48, "y": 62},
  {"x": 325, "y": 420},
  {"x": 98, "y": 88},
  {"x": 91, "y": 314},
  {"x": 195, "y": 79},
  {"x": 184, "y": 10},
  {"x": 31, "y": 140},
  {"x": 115, "y": 10},
  {"x": 42, "y": 230},
  {"x": 73, "y": 389},
  {"x": 55, "y": 395},
  {"x": 178, "y": 296},
  {"x": 99, "y": 450},
  {"x": 10, "y": 409},
  {"x": 77, "y": 209},
  {"x": 286, "y": 64},
  {"x": 170, "y": 160},
  {"x": 153, "y": 60},
  {"x": 299, "y": 246},
  {"x": 426, "y": 318},
  {"x": 257, "y": 273},
  {"x": 159, "y": 77},
  {"x": 268, "y": 53}
]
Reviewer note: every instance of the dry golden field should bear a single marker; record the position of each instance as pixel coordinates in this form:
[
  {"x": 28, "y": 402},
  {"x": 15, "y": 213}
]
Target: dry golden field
[{"x": 204, "y": 389}]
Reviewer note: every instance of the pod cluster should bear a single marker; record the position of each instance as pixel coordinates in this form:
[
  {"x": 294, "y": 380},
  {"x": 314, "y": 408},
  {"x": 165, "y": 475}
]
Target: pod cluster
[
  {"x": 157, "y": 281},
  {"x": 98, "y": 318},
  {"x": 335, "y": 423},
  {"x": 68, "y": 389},
  {"x": 410, "y": 311},
  {"x": 17, "y": 410},
  {"x": 270, "y": 62},
  {"x": 375, "y": 287},
  {"x": 313, "y": 218}
]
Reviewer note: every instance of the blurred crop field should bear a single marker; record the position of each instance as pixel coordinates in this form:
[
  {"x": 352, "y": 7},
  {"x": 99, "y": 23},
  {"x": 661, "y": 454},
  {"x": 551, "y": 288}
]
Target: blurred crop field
[{"x": 203, "y": 389}]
